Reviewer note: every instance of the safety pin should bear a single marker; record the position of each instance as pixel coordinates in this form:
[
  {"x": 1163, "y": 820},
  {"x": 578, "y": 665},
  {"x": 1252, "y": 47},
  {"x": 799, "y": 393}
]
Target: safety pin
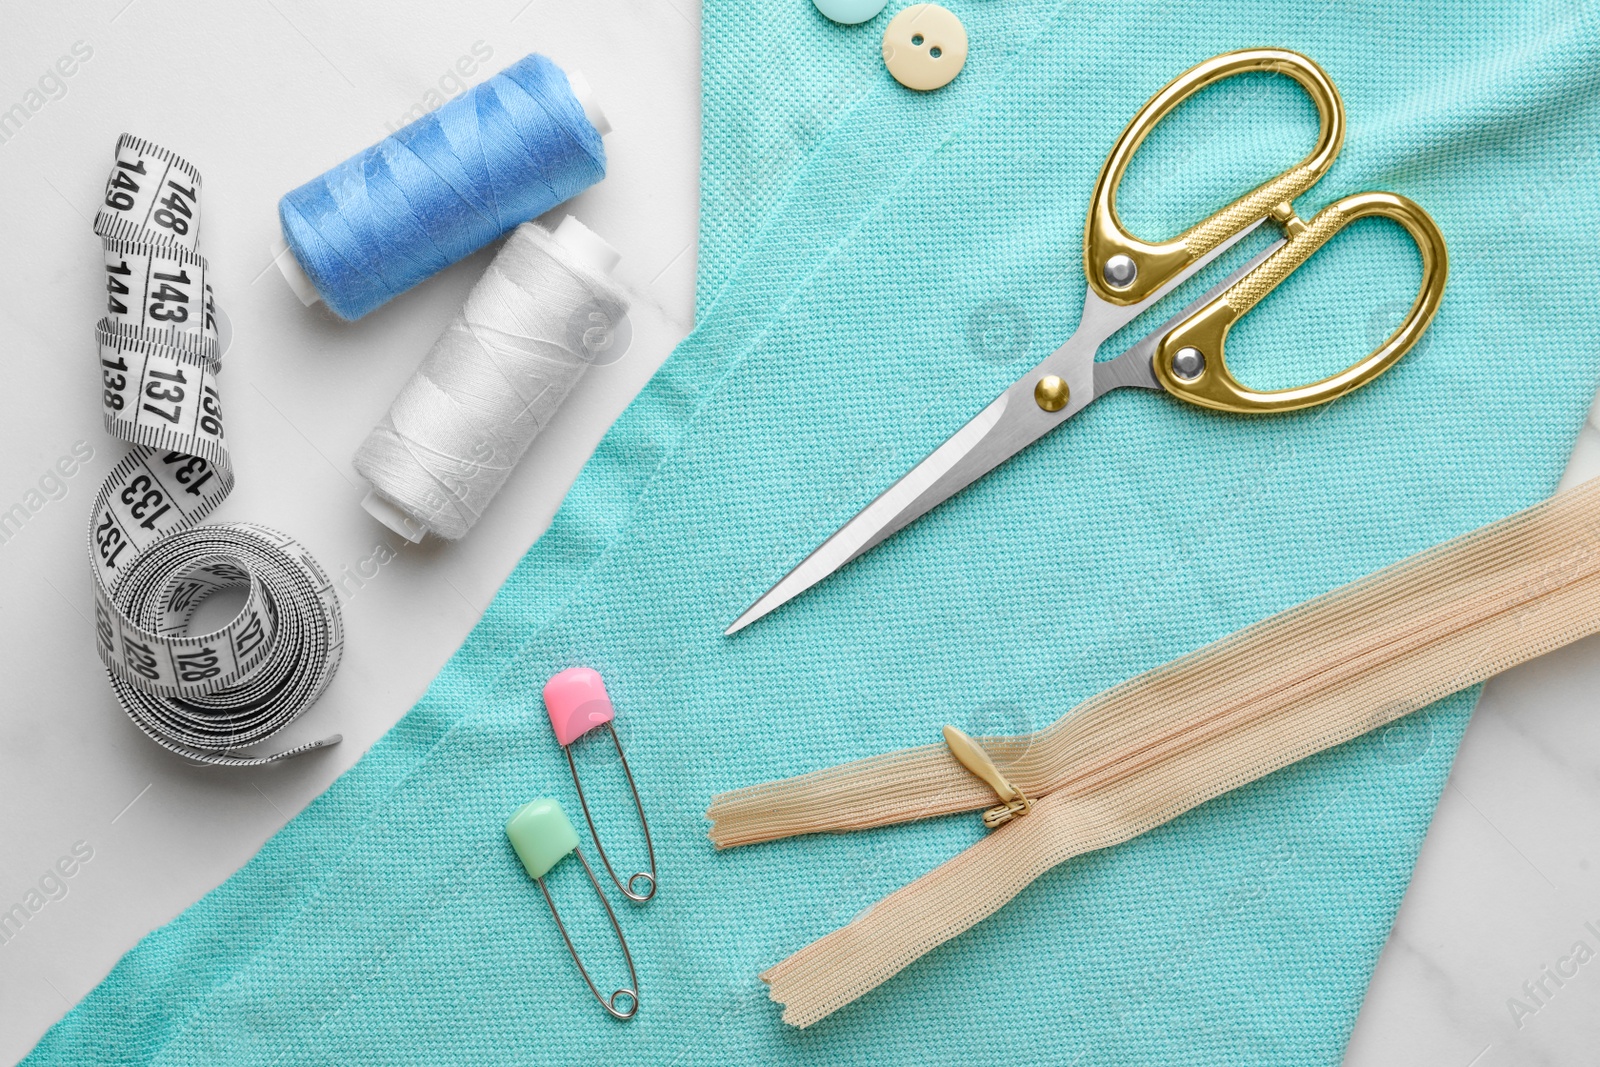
[
  {"x": 542, "y": 836},
  {"x": 578, "y": 702},
  {"x": 972, "y": 756}
]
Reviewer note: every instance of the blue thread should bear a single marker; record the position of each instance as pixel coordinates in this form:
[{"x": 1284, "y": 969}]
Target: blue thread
[{"x": 443, "y": 187}]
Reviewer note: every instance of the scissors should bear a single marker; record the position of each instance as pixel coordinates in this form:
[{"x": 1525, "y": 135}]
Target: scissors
[{"x": 1184, "y": 355}]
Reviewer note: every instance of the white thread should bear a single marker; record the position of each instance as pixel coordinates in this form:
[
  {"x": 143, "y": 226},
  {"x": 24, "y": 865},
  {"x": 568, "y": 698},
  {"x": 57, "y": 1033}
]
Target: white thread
[{"x": 539, "y": 317}]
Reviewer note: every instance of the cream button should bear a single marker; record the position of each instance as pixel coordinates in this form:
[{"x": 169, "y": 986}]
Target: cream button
[{"x": 924, "y": 47}]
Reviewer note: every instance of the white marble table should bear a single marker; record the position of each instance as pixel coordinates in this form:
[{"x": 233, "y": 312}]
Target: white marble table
[{"x": 1511, "y": 870}]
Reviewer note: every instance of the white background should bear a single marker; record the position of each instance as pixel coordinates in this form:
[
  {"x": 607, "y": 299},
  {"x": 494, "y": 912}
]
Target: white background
[{"x": 264, "y": 94}]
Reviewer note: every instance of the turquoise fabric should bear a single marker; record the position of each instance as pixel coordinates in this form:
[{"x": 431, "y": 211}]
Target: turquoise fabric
[{"x": 875, "y": 266}]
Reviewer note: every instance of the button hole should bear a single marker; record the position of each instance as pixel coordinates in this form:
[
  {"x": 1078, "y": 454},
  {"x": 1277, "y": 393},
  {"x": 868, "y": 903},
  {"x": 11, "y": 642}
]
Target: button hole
[
  {"x": 916, "y": 38},
  {"x": 935, "y": 52}
]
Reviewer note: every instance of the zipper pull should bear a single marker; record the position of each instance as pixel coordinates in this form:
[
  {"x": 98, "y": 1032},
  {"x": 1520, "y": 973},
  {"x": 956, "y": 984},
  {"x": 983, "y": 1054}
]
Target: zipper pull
[{"x": 972, "y": 756}]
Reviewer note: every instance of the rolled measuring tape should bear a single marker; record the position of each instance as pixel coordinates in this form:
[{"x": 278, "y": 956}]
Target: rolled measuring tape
[{"x": 201, "y": 696}]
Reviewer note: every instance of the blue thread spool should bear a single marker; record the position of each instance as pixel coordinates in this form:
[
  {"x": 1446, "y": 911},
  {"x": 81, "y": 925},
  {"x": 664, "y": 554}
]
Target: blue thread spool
[{"x": 441, "y": 188}]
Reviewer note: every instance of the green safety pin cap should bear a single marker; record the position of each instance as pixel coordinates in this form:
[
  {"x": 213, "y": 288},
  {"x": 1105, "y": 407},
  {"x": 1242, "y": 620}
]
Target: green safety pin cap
[{"x": 542, "y": 835}]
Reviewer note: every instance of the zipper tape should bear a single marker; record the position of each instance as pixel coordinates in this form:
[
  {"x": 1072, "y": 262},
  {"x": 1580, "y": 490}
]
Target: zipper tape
[
  {"x": 1159, "y": 744},
  {"x": 201, "y": 696}
]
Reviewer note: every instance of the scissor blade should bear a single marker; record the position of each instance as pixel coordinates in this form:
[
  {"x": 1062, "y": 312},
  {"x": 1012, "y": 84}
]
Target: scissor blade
[
  {"x": 995, "y": 434},
  {"x": 973, "y": 451}
]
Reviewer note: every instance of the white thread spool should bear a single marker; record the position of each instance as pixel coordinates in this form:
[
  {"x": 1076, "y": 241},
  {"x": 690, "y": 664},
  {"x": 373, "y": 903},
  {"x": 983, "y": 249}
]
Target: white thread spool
[{"x": 539, "y": 317}]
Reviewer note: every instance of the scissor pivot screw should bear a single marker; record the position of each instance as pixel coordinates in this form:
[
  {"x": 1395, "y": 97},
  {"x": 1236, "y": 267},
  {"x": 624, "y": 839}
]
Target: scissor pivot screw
[
  {"x": 1120, "y": 271},
  {"x": 1051, "y": 393},
  {"x": 1188, "y": 363}
]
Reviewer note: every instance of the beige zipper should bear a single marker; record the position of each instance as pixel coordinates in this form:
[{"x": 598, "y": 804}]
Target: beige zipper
[{"x": 1145, "y": 751}]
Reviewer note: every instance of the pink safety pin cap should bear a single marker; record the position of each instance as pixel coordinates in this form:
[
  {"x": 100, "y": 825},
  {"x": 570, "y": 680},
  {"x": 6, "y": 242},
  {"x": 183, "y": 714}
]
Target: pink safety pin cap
[{"x": 577, "y": 702}]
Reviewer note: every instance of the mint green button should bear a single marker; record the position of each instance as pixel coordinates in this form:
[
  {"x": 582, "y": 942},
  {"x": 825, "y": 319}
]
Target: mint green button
[
  {"x": 850, "y": 12},
  {"x": 542, "y": 835}
]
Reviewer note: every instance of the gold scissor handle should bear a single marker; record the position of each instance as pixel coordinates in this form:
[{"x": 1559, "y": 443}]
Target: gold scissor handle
[
  {"x": 1190, "y": 362},
  {"x": 1120, "y": 267}
]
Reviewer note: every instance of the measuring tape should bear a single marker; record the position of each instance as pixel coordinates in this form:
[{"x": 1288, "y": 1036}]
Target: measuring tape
[{"x": 201, "y": 696}]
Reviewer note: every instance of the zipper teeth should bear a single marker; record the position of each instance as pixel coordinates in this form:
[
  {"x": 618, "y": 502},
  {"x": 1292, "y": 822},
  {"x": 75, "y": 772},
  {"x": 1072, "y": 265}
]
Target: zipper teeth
[
  {"x": 1488, "y": 601},
  {"x": 1176, "y": 737},
  {"x": 961, "y": 892}
]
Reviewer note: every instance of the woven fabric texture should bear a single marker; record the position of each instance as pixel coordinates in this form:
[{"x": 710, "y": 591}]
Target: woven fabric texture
[{"x": 876, "y": 266}]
